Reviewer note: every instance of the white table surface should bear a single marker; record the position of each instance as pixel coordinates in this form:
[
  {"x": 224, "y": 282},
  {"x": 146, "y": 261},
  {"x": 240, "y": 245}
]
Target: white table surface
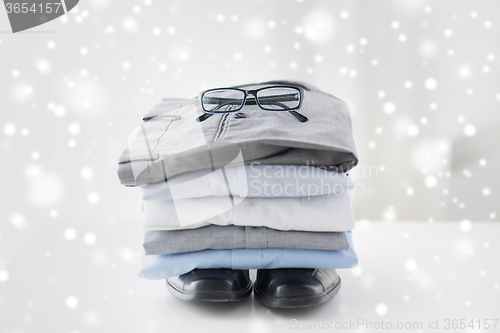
[{"x": 409, "y": 272}]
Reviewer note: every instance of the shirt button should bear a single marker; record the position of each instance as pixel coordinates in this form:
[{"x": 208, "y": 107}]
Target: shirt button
[
  {"x": 240, "y": 115},
  {"x": 248, "y": 202}
]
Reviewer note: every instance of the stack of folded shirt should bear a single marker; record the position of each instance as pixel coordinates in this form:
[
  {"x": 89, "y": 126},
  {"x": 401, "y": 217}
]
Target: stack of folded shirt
[{"x": 249, "y": 192}]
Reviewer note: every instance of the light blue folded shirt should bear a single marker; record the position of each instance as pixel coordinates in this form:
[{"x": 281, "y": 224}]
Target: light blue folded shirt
[{"x": 156, "y": 267}]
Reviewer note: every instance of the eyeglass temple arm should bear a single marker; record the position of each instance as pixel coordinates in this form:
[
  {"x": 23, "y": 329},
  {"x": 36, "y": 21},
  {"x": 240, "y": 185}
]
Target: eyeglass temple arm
[
  {"x": 205, "y": 116},
  {"x": 300, "y": 117}
]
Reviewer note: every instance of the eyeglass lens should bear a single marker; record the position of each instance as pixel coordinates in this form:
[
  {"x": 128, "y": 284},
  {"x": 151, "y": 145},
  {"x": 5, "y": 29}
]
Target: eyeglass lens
[
  {"x": 223, "y": 100},
  {"x": 278, "y": 99}
]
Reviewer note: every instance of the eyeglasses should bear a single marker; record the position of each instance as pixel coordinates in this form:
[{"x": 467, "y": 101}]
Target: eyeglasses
[{"x": 272, "y": 98}]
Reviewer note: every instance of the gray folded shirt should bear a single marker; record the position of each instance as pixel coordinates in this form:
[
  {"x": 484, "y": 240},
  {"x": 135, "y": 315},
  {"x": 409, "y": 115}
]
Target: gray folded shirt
[
  {"x": 216, "y": 237},
  {"x": 170, "y": 141}
]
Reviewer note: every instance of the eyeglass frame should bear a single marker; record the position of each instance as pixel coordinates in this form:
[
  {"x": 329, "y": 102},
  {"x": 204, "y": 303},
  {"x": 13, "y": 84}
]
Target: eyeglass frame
[{"x": 253, "y": 92}]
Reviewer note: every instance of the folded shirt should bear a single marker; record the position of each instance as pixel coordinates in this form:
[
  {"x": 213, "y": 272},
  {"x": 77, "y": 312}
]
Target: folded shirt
[
  {"x": 170, "y": 141},
  {"x": 156, "y": 267},
  {"x": 319, "y": 213},
  {"x": 254, "y": 180},
  {"x": 214, "y": 237}
]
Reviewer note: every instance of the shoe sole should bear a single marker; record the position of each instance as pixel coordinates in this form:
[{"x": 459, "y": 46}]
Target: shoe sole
[
  {"x": 297, "y": 302},
  {"x": 211, "y": 296}
]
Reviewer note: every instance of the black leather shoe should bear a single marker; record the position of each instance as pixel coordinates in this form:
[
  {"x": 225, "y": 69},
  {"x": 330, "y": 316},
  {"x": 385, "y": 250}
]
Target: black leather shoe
[
  {"x": 211, "y": 285},
  {"x": 295, "y": 287}
]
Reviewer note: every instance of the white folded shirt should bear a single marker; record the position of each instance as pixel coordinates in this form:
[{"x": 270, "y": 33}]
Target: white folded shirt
[
  {"x": 317, "y": 213},
  {"x": 251, "y": 180}
]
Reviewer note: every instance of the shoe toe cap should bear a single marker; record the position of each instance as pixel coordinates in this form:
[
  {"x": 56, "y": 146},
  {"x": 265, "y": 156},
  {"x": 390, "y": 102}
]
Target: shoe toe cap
[
  {"x": 210, "y": 281},
  {"x": 296, "y": 282},
  {"x": 294, "y": 289},
  {"x": 210, "y": 285}
]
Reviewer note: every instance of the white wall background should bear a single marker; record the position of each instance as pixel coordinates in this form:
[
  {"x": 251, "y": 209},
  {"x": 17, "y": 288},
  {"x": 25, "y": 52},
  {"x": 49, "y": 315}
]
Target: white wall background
[{"x": 422, "y": 79}]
